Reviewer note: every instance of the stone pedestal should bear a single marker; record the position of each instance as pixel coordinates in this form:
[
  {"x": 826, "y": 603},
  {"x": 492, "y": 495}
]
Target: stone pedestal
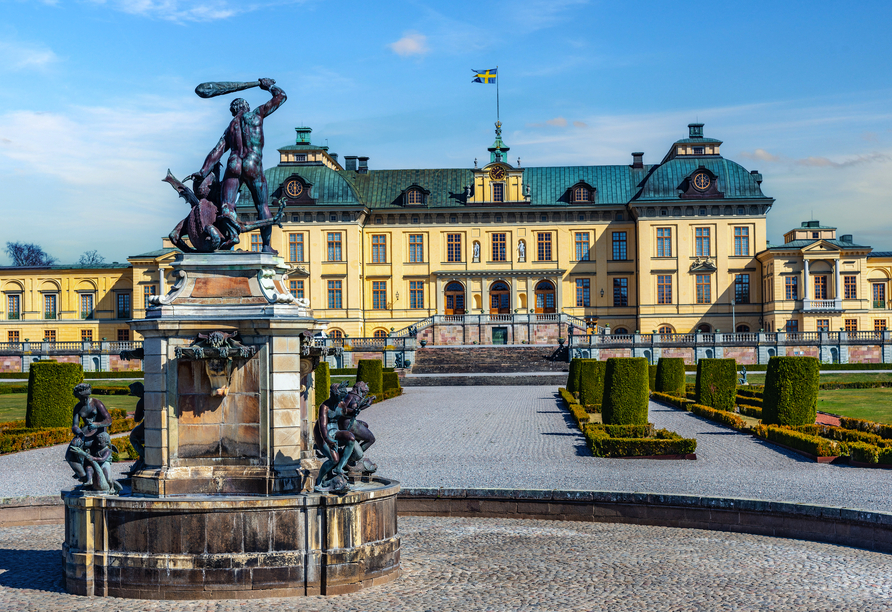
[{"x": 229, "y": 412}]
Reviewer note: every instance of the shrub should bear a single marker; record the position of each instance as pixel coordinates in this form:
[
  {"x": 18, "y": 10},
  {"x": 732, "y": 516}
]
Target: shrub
[
  {"x": 791, "y": 391},
  {"x": 868, "y": 453},
  {"x": 591, "y": 382},
  {"x": 573, "y": 376},
  {"x": 750, "y": 411},
  {"x": 749, "y": 400},
  {"x": 390, "y": 380},
  {"x": 881, "y": 429},
  {"x": 722, "y": 417},
  {"x": 663, "y": 443},
  {"x": 625, "y": 391},
  {"x": 814, "y": 445},
  {"x": 322, "y": 383},
  {"x": 670, "y": 376},
  {"x": 50, "y": 398},
  {"x": 652, "y": 377},
  {"x": 750, "y": 391},
  {"x": 716, "y": 383},
  {"x": 625, "y": 431},
  {"x": 672, "y": 400},
  {"x": 7, "y": 389},
  {"x": 371, "y": 372}
]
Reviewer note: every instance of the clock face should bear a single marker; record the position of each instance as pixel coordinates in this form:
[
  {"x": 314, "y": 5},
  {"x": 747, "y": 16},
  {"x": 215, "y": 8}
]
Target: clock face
[
  {"x": 497, "y": 173},
  {"x": 701, "y": 181},
  {"x": 293, "y": 188}
]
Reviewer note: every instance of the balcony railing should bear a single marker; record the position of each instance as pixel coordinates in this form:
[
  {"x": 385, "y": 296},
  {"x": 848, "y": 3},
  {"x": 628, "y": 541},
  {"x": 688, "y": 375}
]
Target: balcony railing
[
  {"x": 49, "y": 315},
  {"x": 87, "y": 314},
  {"x": 13, "y": 316},
  {"x": 878, "y": 304},
  {"x": 821, "y": 305}
]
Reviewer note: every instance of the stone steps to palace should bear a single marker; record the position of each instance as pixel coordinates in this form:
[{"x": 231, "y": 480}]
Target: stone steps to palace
[
  {"x": 557, "y": 379},
  {"x": 487, "y": 360}
]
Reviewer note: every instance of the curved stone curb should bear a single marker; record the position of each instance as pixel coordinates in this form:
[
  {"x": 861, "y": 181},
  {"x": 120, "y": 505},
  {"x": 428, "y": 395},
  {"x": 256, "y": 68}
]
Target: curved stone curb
[
  {"x": 845, "y": 526},
  {"x": 24, "y": 511}
]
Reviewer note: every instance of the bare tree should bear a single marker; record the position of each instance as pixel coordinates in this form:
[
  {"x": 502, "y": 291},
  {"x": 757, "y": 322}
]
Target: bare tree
[
  {"x": 28, "y": 254},
  {"x": 91, "y": 258}
]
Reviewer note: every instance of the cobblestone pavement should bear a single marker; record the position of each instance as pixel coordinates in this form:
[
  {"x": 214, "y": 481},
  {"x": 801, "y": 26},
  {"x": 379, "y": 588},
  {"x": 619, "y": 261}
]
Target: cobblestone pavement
[
  {"x": 500, "y": 564},
  {"x": 519, "y": 437}
]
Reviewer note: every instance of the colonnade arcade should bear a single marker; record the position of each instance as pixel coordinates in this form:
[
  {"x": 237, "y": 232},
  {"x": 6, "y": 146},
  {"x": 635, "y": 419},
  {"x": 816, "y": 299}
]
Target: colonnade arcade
[{"x": 499, "y": 292}]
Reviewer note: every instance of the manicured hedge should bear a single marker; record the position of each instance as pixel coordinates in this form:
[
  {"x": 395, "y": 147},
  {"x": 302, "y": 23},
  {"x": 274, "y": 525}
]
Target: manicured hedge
[
  {"x": 322, "y": 383},
  {"x": 670, "y": 376},
  {"x": 575, "y": 408},
  {"x": 392, "y": 388},
  {"x": 762, "y": 367},
  {"x": 750, "y": 391},
  {"x": 716, "y": 383},
  {"x": 672, "y": 400},
  {"x": 814, "y": 445},
  {"x": 843, "y": 435},
  {"x": 371, "y": 372},
  {"x": 22, "y": 438},
  {"x": 625, "y": 391},
  {"x": 652, "y": 377},
  {"x": 722, "y": 417},
  {"x": 750, "y": 411},
  {"x": 8, "y": 389},
  {"x": 874, "y": 384},
  {"x": 791, "y": 391},
  {"x": 591, "y": 382},
  {"x": 352, "y": 371},
  {"x": 663, "y": 443},
  {"x": 749, "y": 400},
  {"x": 50, "y": 398},
  {"x": 573, "y": 377},
  {"x": 883, "y": 430},
  {"x": 625, "y": 431},
  {"x": 868, "y": 453}
]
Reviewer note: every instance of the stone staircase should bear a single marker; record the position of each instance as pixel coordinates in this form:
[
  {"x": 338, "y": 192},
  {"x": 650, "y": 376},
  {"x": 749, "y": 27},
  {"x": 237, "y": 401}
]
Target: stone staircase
[{"x": 486, "y": 365}]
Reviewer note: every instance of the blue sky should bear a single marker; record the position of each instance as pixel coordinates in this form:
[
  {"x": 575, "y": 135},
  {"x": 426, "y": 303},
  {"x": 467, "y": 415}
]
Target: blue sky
[{"x": 97, "y": 98}]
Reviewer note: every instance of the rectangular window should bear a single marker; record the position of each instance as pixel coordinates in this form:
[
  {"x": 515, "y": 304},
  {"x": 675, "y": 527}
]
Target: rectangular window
[
  {"x": 620, "y": 291},
  {"x": 664, "y": 242},
  {"x": 86, "y": 306},
  {"x": 741, "y": 241},
  {"x": 583, "y": 292},
  {"x": 123, "y": 306},
  {"x": 879, "y": 325},
  {"x": 379, "y": 295},
  {"x": 742, "y": 288},
  {"x": 582, "y": 246},
  {"x": 13, "y": 307},
  {"x": 703, "y": 247},
  {"x": 850, "y": 287},
  {"x": 664, "y": 289},
  {"x": 619, "y": 246},
  {"x": 792, "y": 326},
  {"x": 879, "y": 295},
  {"x": 820, "y": 287},
  {"x": 12, "y": 336},
  {"x": 379, "y": 248},
  {"x": 544, "y": 249},
  {"x": 498, "y": 247},
  {"x": 416, "y": 294},
  {"x": 334, "y": 246},
  {"x": 791, "y": 288},
  {"x": 123, "y": 335},
  {"x": 49, "y": 335},
  {"x": 498, "y": 192},
  {"x": 49, "y": 306},
  {"x": 416, "y": 248},
  {"x": 297, "y": 288},
  {"x": 296, "y": 247},
  {"x": 823, "y": 325},
  {"x": 147, "y": 292},
  {"x": 453, "y": 247},
  {"x": 334, "y": 294},
  {"x": 704, "y": 289},
  {"x": 851, "y": 325},
  {"x": 256, "y": 243}
]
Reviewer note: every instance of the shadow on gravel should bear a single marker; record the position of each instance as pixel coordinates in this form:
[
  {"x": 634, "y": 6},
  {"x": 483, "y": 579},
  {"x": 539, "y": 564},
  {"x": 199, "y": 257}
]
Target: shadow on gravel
[
  {"x": 38, "y": 570},
  {"x": 579, "y": 445},
  {"x": 782, "y": 451}
]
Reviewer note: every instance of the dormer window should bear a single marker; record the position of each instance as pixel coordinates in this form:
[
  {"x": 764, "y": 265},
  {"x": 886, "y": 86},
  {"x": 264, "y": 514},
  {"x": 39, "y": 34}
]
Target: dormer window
[
  {"x": 582, "y": 194},
  {"x": 414, "y": 196},
  {"x": 498, "y": 192},
  {"x": 699, "y": 150}
]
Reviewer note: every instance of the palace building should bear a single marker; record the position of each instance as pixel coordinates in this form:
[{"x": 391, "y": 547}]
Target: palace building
[{"x": 673, "y": 247}]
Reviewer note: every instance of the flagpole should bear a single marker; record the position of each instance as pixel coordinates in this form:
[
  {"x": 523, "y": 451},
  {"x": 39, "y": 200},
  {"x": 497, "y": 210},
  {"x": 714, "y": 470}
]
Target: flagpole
[{"x": 497, "y": 93}]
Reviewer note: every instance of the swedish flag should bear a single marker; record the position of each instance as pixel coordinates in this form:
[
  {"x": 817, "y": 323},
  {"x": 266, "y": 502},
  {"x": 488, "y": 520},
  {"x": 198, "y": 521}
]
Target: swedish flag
[{"x": 485, "y": 76}]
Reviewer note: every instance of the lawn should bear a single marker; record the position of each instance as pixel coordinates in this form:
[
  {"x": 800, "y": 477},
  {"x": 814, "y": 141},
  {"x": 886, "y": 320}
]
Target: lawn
[
  {"x": 868, "y": 404},
  {"x": 758, "y": 378},
  {"x": 12, "y": 405}
]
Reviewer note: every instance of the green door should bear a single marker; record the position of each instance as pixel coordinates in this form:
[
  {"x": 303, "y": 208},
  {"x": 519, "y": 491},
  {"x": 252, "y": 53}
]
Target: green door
[{"x": 500, "y": 335}]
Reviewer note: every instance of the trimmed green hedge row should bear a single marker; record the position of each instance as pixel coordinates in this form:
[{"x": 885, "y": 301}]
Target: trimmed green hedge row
[
  {"x": 625, "y": 391},
  {"x": 883, "y": 430},
  {"x": 625, "y": 431},
  {"x": 814, "y": 445},
  {"x": 574, "y": 375},
  {"x": 50, "y": 400},
  {"x": 10, "y": 389},
  {"x": 749, "y": 400},
  {"x": 717, "y": 383},
  {"x": 670, "y": 376},
  {"x": 392, "y": 387},
  {"x": 868, "y": 453},
  {"x": 843, "y": 435},
  {"x": 791, "y": 391},
  {"x": 750, "y": 411},
  {"x": 762, "y": 367},
  {"x": 723, "y": 417},
  {"x": 664, "y": 442},
  {"x": 322, "y": 383},
  {"x": 371, "y": 372},
  {"x": 575, "y": 408},
  {"x": 352, "y": 371},
  {"x": 14, "y": 439},
  {"x": 833, "y": 386},
  {"x": 87, "y": 375},
  {"x": 652, "y": 377},
  {"x": 591, "y": 382},
  {"x": 679, "y": 402},
  {"x": 750, "y": 391}
]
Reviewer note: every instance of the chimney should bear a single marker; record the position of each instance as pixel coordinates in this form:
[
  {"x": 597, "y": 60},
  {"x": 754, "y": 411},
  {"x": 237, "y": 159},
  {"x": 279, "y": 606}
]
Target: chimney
[
  {"x": 363, "y": 165},
  {"x": 350, "y": 162},
  {"x": 756, "y": 176},
  {"x": 334, "y": 156},
  {"x": 638, "y": 159}
]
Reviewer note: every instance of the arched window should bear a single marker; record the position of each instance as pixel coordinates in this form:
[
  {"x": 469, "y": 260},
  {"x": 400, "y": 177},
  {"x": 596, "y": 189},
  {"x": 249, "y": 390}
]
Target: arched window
[
  {"x": 743, "y": 329},
  {"x": 545, "y": 297},
  {"x": 499, "y": 298},
  {"x": 617, "y": 331},
  {"x": 582, "y": 194},
  {"x": 380, "y": 333},
  {"x": 666, "y": 329},
  {"x": 336, "y": 334},
  {"x": 704, "y": 328},
  {"x": 455, "y": 298},
  {"x": 414, "y": 196}
]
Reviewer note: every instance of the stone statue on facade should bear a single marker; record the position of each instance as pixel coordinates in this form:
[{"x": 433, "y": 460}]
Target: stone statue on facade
[
  {"x": 244, "y": 141},
  {"x": 341, "y": 438},
  {"x": 476, "y": 251},
  {"x": 89, "y": 452},
  {"x": 521, "y": 251}
]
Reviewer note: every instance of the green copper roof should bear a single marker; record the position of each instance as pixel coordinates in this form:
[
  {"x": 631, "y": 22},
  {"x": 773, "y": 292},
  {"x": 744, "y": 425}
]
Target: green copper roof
[
  {"x": 698, "y": 141},
  {"x": 327, "y": 186},
  {"x": 733, "y": 179},
  {"x": 799, "y": 244},
  {"x": 613, "y": 184},
  {"x": 383, "y": 188}
]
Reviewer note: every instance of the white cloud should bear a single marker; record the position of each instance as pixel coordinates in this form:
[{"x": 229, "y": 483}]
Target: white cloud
[
  {"x": 412, "y": 43},
  {"x": 188, "y": 10},
  {"x": 15, "y": 56},
  {"x": 816, "y": 161}
]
